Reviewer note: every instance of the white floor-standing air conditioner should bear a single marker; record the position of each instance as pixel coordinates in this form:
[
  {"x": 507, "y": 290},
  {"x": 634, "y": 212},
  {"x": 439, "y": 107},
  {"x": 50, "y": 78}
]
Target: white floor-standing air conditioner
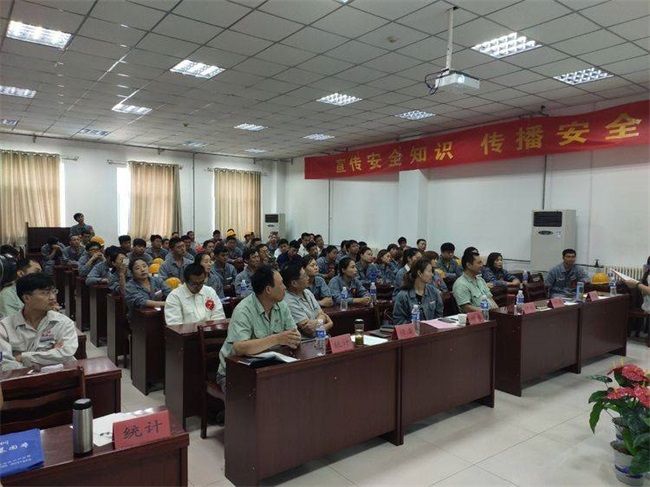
[{"x": 553, "y": 231}]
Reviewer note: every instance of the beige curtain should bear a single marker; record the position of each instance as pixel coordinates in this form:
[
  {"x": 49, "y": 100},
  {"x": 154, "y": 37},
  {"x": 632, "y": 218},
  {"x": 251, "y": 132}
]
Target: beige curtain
[
  {"x": 155, "y": 199},
  {"x": 237, "y": 198},
  {"x": 29, "y": 192}
]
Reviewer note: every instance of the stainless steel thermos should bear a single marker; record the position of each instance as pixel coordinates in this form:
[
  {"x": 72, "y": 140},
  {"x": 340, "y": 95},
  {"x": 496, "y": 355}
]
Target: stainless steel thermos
[{"x": 82, "y": 426}]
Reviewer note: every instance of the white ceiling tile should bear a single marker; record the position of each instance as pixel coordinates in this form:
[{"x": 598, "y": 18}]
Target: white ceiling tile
[
  {"x": 186, "y": 29},
  {"x": 110, "y": 32},
  {"x": 50, "y": 18},
  {"x": 564, "y": 66},
  {"x": 617, "y": 11},
  {"x": 392, "y": 36},
  {"x": 220, "y": 13},
  {"x": 559, "y": 29},
  {"x": 427, "y": 49},
  {"x": 536, "y": 57},
  {"x": 527, "y": 13},
  {"x": 613, "y": 54},
  {"x": 299, "y": 10},
  {"x": 299, "y": 76},
  {"x": 325, "y": 65},
  {"x": 390, "y": 9},
  {"x": 97, "y": 48},
  {"x": 483, "y": 7},
  {"x": 465, "y": 59},
  {"x": 356, "y": 52},
  {"x": 433, "y": 19},
  {"x": 131, "y": 14},
  {"x": 216, "y": 57},
  {"x": 517, "y": 78},
  {"x": 477, "y": 31},
  {"x": 360, "y": 74},
  {"x": 588, "y": 42},
  {"x": 260, "y": 67},
  {"x": 503, "y": 94},
  {"x": 332, "y": 84},
  {"x": 286, "y": 55},
  {"x": 644, "y": 43},
  {"x": 266, "y": 26},
  {"x": 492, "y": 70},
  {"x": 391, "y": 82},
  {"x": 159, "y": 4},
  {"x": 392, "y": 63},
  {"x": 5, "y": 7},
  {"x": 627, "y": 66},
  {"x": 167, "y": 45},
  {"x": 76, "y": 6},
  {"x": 146, "y": 58},
  {"x": 634, "y": 29},
  {"x": 314, "y": 40},
  {"x": 30, "y": 50},
  {"x": 349, "y": 22},
  {"x": 240, "y": 43}
]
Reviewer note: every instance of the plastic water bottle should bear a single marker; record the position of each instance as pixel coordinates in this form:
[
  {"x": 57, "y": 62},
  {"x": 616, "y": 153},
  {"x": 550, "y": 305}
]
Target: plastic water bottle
[
  {"x": 524, "y": 277},
  {"x": 519, "y": 300},
  {"x": 612, "y": 286},
  {"x": 415, "y": 318},
  {"x": 321, "y": 337},
  {"x": 373, "y": 293},
  {"x": 580, "y": 289},
  {"x": 243, "y": 288},
  {"x": 344, "y": 299},
  {"x": 485, "y": 307}
]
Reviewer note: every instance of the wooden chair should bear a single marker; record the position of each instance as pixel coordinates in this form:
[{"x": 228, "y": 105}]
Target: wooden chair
[
  {"x": 384, "y": 291},
  {"x": 534, "y": 291},
  {"x": 41, "y": 400},
  {"x": 500, "y": 295},
  {"x": 211, "y": 339},
  {"x": 536, "y": 277}
]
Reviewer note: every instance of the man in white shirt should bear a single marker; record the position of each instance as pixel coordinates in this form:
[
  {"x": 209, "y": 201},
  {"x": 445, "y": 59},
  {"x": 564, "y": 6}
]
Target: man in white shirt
[{"x": 193, "y": 302}]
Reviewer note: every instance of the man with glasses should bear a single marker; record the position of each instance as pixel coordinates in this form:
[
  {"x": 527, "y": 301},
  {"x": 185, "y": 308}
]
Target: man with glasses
[
  {"x": 193, "y": 302},
  {"x": 38, "y": 335}
]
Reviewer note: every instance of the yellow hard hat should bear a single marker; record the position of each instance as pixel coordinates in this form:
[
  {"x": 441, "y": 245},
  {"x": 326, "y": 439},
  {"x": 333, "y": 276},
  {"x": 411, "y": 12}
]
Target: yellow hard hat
[
  {"x": 97, "y": 239},
  {"x": 154, "y": 268},
  {"x": 158, "y": 260},
  {"x": 599, "y": 278},
  {"x": 173, "y": 282}
]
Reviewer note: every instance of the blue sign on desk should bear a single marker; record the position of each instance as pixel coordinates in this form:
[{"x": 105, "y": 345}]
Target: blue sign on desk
[{"x": 20, "y": 451}]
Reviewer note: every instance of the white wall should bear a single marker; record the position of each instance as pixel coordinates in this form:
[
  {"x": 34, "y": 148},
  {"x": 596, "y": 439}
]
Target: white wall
[{"x": 91, "y": 183}]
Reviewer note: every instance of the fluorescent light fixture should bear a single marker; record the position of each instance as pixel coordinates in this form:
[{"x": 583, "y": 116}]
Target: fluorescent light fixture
[
  {"x": 13, "y": 91},
  {"x": 339, "y": 99},
  {"x": 194, "y": 144},
  {"x": 93, "y": 132},
  {"x": 11, "y": 123},
  {"x": 38, "y": 35},
  {"x": 318, "y": 137},
  {"x": 506, "y": 45},
  {"x": 415, "y": 115},
  {"x": 196, "y": 69},
  {"x": 255, "y": 151},
  {"x": 583, "y": 76},
  {"x": 249, "y": 126},
  {"x": 131, "y": 109}
]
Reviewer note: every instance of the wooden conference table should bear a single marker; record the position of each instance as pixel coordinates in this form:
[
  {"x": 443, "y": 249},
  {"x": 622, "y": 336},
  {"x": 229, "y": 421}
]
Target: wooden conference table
[
  {"x": 163, "y": 462},
  {"x": 533, "y": 345},
  {"x": 282, "y": 416},
  {"x": 102, "y": 383}
]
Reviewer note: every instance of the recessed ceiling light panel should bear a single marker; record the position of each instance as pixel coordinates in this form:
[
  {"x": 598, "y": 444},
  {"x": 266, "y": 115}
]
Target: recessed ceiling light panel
[
  {"x": 583, "y": 76},
  {"x": 93, "y": 132},
  {"x": 339, "y": 99},
  {"x": 194, "y": 144},
  {"x": 506, "y": 45},
  {"x": 10, "y": 122},
  {"x": 255, "y": 151},
  {"x": 250, "y": 126},
  {"x": 131, "y": 109},
  {"x": 196, "y": 69},
  {"x": 13, "y": 91},
  {"x": 38, "y": 35},
  {"x": 318, "y": 137},
  {"x": 415, "y": 115}
]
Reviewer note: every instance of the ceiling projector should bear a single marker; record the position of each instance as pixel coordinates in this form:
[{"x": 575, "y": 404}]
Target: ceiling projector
[{"x": 457, "y": 82}]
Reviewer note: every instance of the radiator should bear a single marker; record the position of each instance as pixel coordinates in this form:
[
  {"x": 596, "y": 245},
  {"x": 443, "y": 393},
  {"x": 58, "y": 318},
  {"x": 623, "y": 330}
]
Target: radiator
[{"x": 633, "y": 272}]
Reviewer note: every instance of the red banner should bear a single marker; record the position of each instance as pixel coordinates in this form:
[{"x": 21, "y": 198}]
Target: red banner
[{"x": 603, "y": 129}]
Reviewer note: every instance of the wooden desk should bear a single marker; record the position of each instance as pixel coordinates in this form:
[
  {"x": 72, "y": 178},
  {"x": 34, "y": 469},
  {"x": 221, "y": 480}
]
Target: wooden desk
[
  {"x": 603, "y": 327},
  {"x": 98, "y": 295},
  {"x": 82, "y": 304},
  {"x": 117, "y": 329},
  {"x": 344, "y": 320},
  {"x": 531, "y": 346},
  {"x": 183, "y": 379},
  {"x": 103, "y": 381},
  {"x": 163, "y": 462},
  {"x": 147, "y": 349},
  {"x": 70, "y": 282},
  {"x": 81, "y": 347}
]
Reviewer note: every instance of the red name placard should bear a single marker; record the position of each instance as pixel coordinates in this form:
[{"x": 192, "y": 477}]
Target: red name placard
[
  {"x": 528, "y": 308},
  {"x": 603, "y": 129},
  {"x": 341, "y": 343},
  {"x": 593, "y": 296},
  {"x": 407, "y": 330},
  {"x": 554, "y": 303},
  {"x": 141, "y": 429},
  {"x": 475, "y": 318}
]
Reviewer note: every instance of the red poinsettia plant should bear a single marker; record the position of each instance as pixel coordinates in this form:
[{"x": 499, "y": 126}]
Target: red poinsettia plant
[{"x": 631, "y": 401}]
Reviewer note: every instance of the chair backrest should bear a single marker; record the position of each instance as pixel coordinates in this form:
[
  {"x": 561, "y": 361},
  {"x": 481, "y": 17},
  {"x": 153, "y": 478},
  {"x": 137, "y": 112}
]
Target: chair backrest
[
  {"x": 500, "y": 295},
  {"x": 384, "y": 291},
  {"x": 534, "y": 291},
  {"x": 41, "y": 400},
  {"x": 211, "y": 338},
  {"x": 387, "y": 318},
  {"x": 536, "y": 277}
]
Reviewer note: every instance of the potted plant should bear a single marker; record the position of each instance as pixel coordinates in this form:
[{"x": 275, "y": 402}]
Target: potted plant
[{"x": 629, "y": 399}]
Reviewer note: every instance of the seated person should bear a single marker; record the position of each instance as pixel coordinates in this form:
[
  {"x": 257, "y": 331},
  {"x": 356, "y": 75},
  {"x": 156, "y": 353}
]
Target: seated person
[
  {"x": 347, "y": 277},
  {"x": 320, "y": 243},
  {"x": 316, "y": 284},
  {"x": 252, "y": 260},
  {"x": 402, "y": 243},
  {"x": 189, "y": 246},
  {"x": 562, "y": 279},
  {"x": 312, "y": 249},
  {"x": 193, "y": 302},
  {"x": 111, "y": 271},
  {"x": 304, "y": 240},
  {"x": 642, "y": 286},
  {"x": 10, "y": 303},
  {"x": 447, "y": 262},
  {"x": 143, "y": 290},
  {"x": 176, "y": 261},
  {"x": 421, "y": 244},
  {"x": 304, "y": 308},
  {"x": 432, "y": 256},
  {"x": 208, "y": 247},
  {"x": 470, "y": 286},
  {"x": 81, "y": 227},
  {"x": 385, "y": 268},
  {"x": 212, "y": 279},
  {"x": 52, "y": 253},
  {"x": 282, "y": 248},
  {"x": 38, "y": 335},
  {"x": 125, "y": 243},
  {"x": 353, "y": 248},
  {"x": 156, "y": 250},
  {"x": 418, "y": 289},
  {"x": 139, "y": 251},
  {"x": 266, "y": 258},
  {"x": 367, "y": 270},
  {"x": 343, "y": 251},
  {"x": 262, "y": 320},
  {"x": 327, "y": 262},
  {"x": 291, "y": 255},
  {"x": 494, "y": 274},
  {"x": 222, "y": 267},
  {"x": 272, "y": 243},
  {"x": 409, "y": 257},
  {"x": 74, "y": 252},
  {"x": 86, "y": 236},
  {"x": 92, "y": 257},
  {"x": 235, "y": 252},
  {"x": 395, "y": 255}
]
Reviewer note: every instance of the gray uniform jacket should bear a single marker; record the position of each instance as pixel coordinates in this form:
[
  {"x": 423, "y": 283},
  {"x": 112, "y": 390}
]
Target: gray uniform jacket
[
  {"x": 355, "y": 289},
  {"x": 170, "y": 268},
  {"x": 430, "y": 308},
  {"x": 320, "y": 289},
  {"x": 136, "y": 295}
]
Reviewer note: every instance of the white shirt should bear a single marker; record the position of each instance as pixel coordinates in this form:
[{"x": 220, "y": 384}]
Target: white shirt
[
  {"x": 302, "y": 251},
  {"x": 182, "y": 306}
]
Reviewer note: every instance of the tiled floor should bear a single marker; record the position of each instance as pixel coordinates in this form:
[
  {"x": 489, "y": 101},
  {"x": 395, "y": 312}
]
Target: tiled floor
[{"x": 540, "y": 439}]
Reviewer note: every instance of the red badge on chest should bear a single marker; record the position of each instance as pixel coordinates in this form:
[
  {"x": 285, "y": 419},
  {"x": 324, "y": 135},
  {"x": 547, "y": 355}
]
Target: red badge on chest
[{"x": 209, "y": 304}]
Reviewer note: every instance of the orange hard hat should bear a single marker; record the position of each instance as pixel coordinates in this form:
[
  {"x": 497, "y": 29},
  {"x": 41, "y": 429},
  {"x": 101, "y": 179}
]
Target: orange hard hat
[
  {"x": 154, "y": 268},
  {"x": 173, "y": 282}
]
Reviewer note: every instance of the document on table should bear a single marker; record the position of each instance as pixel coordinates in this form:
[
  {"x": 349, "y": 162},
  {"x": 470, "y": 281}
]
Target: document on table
[
  {"x": 441, "y": 325},
  {"x": 103, "y": 427},
  {"x": 275, "y": 355},
  {"x": 371, "y": 340},
  {"x": 625, "y": 277}
]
